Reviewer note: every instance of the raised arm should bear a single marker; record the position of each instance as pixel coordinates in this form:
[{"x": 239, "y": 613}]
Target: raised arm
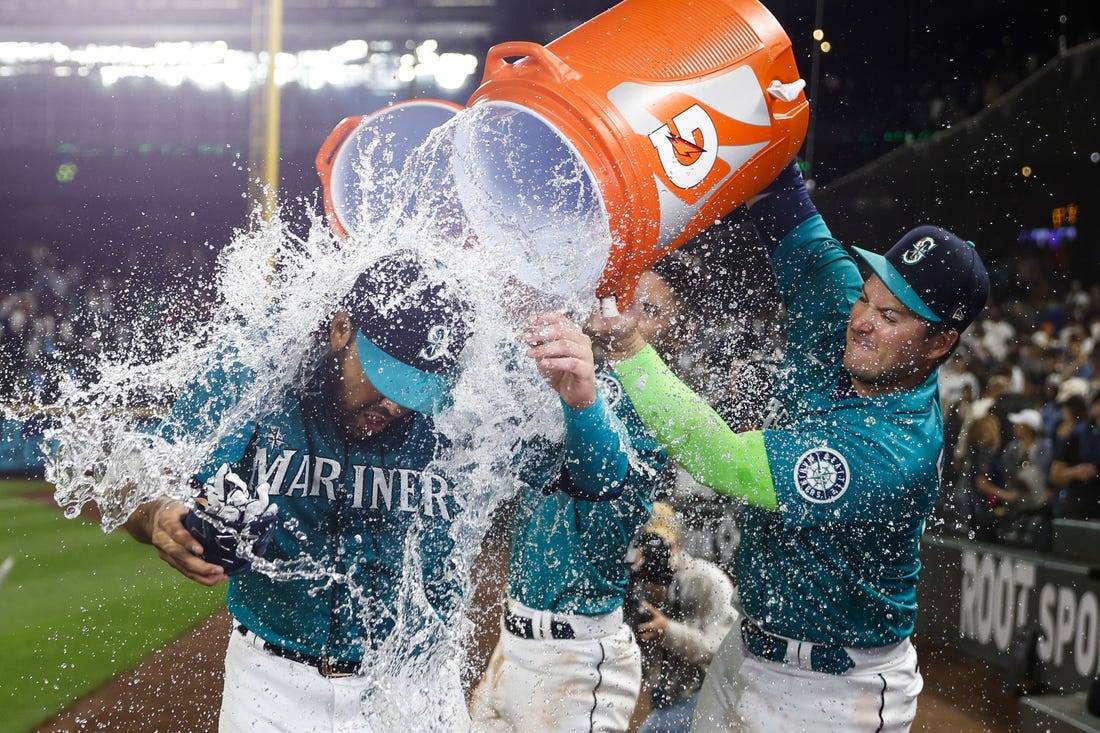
[
  {"x": 597, "y": 444},
  {"x": 781, "y": 207}
]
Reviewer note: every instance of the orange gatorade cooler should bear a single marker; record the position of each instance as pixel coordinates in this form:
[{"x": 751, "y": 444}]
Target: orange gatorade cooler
[
  {"x": 677, "y": 112},
  {"x": 360, "y": 161}
]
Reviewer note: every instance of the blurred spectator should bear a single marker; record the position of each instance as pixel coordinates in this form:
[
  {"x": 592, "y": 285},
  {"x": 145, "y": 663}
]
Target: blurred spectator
[
  {"x": 995, "y": 337},
  {"x": 1075, "y": 469},
  {"x": 1076, "y": 362},
  {"x": 957, "y": 382},
  {"x": 953, "y": 487},
  {"x": 989, "y": 486},
  {"x": 992, "y": 392},
  {"x": 686, "y": 609},
  {"x": 1027, "y": 459},
  {"x": 1026, "y": 462},
  {"x": 1031, "y": 359},
  {"x": 1050, "y": 409},
  {"x": 1072, "y": 387}
]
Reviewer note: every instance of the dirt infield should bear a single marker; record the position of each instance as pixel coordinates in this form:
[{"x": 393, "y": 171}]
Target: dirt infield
[{"x": 178, "y": 690}]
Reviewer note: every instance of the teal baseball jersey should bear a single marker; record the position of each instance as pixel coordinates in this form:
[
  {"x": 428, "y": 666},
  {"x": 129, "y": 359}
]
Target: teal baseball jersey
[
  {"x": 569, "y": 553},
  {"x": 837, "y": 486},
  {"x": 352, "y": 511},
  {"x": 854, "y": 477}
]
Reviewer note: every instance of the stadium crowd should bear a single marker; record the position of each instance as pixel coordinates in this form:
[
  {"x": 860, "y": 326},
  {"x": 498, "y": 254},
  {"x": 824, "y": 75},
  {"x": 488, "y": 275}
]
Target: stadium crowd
[
  {"x": 1021, "y": 400},
  {"x": 57, "y": 318}
]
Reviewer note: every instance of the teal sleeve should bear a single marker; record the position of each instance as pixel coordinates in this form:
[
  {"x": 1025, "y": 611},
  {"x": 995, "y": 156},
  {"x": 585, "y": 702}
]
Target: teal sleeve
[
  {"x": 733, "y": 464},
  {"x": 200, "y": 411},
  {"x": 818, "y": 282},
  {"x": 595, "y": 454}
]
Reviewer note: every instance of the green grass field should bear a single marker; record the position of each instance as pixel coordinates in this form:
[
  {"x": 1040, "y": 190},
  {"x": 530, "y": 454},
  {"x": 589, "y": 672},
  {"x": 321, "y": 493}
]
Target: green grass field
[{"x": 78, "y": 606}]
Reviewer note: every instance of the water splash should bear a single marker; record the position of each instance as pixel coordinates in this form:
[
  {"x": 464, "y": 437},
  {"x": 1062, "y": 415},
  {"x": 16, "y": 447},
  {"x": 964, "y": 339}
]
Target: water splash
[{"x": 467, "y": 198}]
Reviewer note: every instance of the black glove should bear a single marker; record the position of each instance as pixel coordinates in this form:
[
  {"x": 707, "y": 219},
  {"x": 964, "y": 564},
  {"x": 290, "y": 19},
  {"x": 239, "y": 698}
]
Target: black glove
[
  {"x": 783, "y": 205},
  {"x": 226, "y": 514}
]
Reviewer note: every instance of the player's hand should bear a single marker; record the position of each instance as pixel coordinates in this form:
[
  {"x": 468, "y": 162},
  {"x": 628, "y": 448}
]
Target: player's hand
[
  {"x": 176, "y": 546},
  {"x": 231, "y": 521},
  {"x": 655, "y": 627},
  {"x": 617, "y": 334},
  {"x": 563, "y": 355}
]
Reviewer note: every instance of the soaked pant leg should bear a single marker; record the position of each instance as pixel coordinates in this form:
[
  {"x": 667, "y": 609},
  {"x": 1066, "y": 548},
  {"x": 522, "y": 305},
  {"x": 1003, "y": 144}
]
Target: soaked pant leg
[
  {"x": 559, "y": 686},
  {"x": 746, "y": 694}
]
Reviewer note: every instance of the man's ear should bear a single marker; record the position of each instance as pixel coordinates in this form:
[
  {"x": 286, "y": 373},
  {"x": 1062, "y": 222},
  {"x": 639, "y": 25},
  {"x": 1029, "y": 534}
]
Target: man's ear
[
  {"x": 340, "y": 332},
  {"x": 941, "y": 344}
]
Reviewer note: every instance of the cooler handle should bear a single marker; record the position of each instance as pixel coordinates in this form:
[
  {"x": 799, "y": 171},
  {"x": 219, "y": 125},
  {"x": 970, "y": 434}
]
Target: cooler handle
[
  {"x": 540, "y": 56},
  {"x": 332, "y": 144}
]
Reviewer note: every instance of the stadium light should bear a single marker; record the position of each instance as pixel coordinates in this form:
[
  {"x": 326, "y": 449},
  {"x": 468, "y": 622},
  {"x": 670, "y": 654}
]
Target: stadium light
[{"x": 211, "y": 65}]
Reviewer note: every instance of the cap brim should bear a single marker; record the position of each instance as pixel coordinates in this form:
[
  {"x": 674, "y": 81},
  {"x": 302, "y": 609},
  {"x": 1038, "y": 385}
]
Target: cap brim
[
  {"x": 896, "y": 284},
  {"x": 398, "y": 382}
]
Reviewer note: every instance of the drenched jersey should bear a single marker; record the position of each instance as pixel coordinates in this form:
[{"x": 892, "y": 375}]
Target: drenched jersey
[
  {"x": 364, "y": 525},
  {"x": 568, "y": 552},
  {"x": 838, "y": 486},
  {"x": 854, "y": 476}
]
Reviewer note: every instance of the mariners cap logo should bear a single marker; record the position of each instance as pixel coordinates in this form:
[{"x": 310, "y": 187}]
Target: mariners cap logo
[
  {"x": 410, "y": 330},
  {"x": 920, "y": 249},
  {"x": 439, "y": 340},
  {"x": 821, "y": 475},
  {"x": 935, "y": 274}
]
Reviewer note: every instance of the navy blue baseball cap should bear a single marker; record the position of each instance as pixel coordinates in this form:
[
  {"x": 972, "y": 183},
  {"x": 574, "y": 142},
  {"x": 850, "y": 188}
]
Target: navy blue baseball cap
[
  {"x": 411, "y": 328},
  {"x": 935, "y": 274}
]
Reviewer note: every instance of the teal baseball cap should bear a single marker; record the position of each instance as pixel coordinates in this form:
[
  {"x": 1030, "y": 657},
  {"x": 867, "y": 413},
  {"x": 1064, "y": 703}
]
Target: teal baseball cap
[
  {"x": 934, "y": 273},
  {"x": 411, "y": 327}
]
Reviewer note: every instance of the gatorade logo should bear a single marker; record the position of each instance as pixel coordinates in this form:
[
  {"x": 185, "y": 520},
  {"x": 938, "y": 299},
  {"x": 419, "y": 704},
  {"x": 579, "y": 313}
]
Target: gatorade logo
[
  {"x": 687, "y": 153},
  {"x": 701, "y": 132},
  {"x": 687, "y": 147}
]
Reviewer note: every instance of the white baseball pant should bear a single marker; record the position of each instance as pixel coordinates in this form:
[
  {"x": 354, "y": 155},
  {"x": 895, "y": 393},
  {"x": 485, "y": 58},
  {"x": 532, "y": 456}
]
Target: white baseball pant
[
  {"x": 547, "y": 685},
  {"x": 747, "y": 694},
  {"x": 264, "y": 692}
]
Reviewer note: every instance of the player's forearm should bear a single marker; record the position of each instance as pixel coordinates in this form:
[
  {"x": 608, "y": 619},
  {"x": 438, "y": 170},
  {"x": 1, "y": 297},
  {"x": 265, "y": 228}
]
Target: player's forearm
[
  {"x": 595, "y": 452},
  {"x": 694, "y": 435}
]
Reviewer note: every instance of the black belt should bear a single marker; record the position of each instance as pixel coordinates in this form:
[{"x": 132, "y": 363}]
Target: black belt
[
  {"x": 523, "y": 627},
  {"x": 325, "y": 666},
  {"x": 823, "y": 657}
]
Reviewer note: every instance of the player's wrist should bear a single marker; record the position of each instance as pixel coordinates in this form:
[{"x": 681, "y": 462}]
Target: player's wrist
[
  {"x": 142, "y": 521},
  {"x": 623, "y": 346}
]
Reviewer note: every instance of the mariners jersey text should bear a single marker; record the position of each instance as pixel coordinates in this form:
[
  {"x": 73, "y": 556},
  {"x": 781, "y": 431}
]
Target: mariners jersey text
[{"x": 295, "y": 473}]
